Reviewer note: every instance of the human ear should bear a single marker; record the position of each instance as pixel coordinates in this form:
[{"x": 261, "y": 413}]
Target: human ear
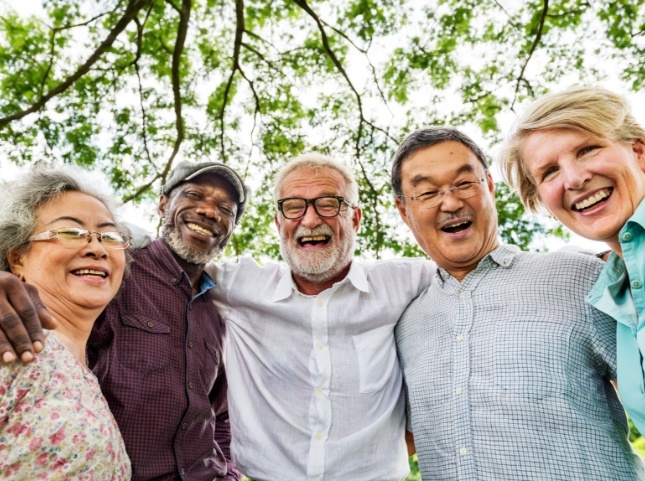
[
  {"x": 162, "y": 206},
  {"x": 16, "y": 264}
]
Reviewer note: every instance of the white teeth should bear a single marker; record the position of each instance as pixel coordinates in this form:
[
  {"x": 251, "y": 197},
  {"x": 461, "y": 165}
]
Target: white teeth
[
  {"x": 198, "y": 228},
  {"x": 314, "y": 238},
  {"x": 603, "y": 194},
  {"x": 89, "y": 272},
  {"x": 452, "y": 226}
]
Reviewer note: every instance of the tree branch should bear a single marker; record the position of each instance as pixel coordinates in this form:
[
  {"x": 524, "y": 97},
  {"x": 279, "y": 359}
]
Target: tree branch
[
  {"x": 536, "y": 41},
  {"x": 332, "y": 55},
  {"x": 182, "y": 30},
  {"x": 239, "y": 33},
  {"x": 131, "y": 11}
]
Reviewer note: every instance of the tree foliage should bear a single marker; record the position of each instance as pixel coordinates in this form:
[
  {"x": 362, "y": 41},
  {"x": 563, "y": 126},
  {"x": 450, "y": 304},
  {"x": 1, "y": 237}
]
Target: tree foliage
[{"x": 131, "y": 86}]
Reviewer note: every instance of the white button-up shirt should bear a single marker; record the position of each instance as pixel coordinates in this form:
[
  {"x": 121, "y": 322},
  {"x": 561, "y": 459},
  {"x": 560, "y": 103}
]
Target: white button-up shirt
[{"x": 314, "y": 381}]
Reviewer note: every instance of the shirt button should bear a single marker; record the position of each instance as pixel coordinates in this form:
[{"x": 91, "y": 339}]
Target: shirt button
[
  {"x": 319, "y": 390},
  {"x": 221, "y": 474},
  {"x": 190, "y": 344},
  {"x": 627, "y": 236},
  {"x": 463, "y": 451},
  {"x": 184, "y": 425},
  {"x": 190, "y": 307},
  {"x": 190, "y": 385},
  {"x": 637, "y": 284},
  {"x": 183, "y": 471},
  {"x": 320, "y": 303},
  {"x": 459, "y": 390},
  {"x": 319, "y": 437},
  {"x": 459, "y": 337},
  {"x": 150, "y": 324},
  {"x": 174, "y": 280},
  {"x": 462, "y": 295},
  {"x": 320, "y": 346}
]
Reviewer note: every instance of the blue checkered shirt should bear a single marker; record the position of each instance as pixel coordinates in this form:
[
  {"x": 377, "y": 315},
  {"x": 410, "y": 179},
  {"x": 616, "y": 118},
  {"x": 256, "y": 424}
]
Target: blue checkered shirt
[{"x": 508, "y": 374}]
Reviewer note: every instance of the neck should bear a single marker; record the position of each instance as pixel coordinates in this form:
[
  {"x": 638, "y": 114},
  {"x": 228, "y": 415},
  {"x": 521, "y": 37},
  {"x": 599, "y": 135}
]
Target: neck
[
  {"x": 614, "y": 245},
  {"x": 193, "y": 271},
  {"x": 314, "y": 287},
  {"x": 73, "y": 332},
  {"x": 460, "y": 272}
]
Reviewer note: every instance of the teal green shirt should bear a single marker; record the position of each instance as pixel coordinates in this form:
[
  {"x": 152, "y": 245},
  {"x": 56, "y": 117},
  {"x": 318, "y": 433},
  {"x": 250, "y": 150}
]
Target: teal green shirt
[{"x": 619, "y": 292}]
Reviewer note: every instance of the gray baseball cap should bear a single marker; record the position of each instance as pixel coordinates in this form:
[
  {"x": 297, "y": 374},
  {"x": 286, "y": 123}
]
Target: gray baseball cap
[{"x": 185, "y": 171}]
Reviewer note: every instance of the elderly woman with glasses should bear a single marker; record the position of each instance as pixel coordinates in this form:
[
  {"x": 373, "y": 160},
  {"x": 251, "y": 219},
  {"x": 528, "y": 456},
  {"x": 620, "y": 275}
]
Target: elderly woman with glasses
[
  {"x": 58, "y": 233},
  {"x": 580, "y": 154}
]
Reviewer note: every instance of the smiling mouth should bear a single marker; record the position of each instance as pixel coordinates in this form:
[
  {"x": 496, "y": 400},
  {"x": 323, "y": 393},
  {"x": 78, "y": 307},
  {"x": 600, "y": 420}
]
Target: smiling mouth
[
  {"x": 592, "y": 201},
  {"x": 89, "y": 273},
  {"x": 199, "y": 229},
  {"x": 458, "y": 227},
  {"x": 313, "y": 240}
]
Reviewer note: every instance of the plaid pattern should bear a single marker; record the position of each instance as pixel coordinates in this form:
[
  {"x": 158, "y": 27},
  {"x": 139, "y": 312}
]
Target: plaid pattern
[
  {"x": 507, "y": 374},
  {"x": 157, "y": 353}
]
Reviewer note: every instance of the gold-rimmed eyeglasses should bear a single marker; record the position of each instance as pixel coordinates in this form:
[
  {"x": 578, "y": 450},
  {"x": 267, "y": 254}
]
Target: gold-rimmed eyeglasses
[
  {"x": 76, "y": 237},
  {"x": 432, "y": 198}
]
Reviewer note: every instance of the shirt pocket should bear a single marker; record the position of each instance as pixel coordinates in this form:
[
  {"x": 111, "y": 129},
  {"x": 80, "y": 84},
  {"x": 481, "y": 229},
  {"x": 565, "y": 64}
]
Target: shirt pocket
[
  {"x": 531, "y": 357},
  {"x": 210, "y": 365},
  {"x": 377, "y": 359},
  {"x": 144, "y": 343}
]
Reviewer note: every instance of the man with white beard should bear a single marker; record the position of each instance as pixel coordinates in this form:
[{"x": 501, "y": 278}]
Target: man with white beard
[
  {"x": 314, "y": 380},
  {"x": 314, "y": 384}
]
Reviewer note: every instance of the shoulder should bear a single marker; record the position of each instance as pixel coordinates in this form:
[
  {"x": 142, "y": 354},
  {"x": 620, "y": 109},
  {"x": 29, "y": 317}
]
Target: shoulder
[
  {"x": 578, "y": 269},
  {"x": 400, "y": 265}
]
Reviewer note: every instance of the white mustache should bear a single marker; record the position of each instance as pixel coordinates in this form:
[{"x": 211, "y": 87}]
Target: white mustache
[{"x": 302, "y": 231}]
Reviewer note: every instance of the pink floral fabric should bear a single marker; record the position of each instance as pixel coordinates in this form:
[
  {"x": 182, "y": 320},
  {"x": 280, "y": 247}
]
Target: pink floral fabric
[{"x": 55, "y": 424}]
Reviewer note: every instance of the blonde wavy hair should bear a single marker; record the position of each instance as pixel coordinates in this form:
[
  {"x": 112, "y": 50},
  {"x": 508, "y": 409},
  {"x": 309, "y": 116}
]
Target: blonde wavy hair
[{"x": 595, "y": 111}]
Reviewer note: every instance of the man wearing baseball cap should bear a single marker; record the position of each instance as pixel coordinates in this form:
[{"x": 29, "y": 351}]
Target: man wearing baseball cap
[{"x": 157, "y": 348}]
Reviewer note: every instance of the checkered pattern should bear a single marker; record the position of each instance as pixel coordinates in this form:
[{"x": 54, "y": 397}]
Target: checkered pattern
[
  {"x": 508, "y": 373},
  {"x": 157, "y": 353}
]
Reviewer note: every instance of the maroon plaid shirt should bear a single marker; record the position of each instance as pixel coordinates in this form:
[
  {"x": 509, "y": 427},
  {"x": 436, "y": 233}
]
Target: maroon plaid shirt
[{"x": 157, "y": 353}]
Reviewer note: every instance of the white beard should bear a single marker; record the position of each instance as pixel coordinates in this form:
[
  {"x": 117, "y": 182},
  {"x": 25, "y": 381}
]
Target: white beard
[
  {"x": 320, "y": 265},
  {"x": 171, "y": 235}
]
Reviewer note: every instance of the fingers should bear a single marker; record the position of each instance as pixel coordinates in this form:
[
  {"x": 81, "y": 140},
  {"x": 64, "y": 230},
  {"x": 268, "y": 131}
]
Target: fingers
[{"x": 21, "y": 310}]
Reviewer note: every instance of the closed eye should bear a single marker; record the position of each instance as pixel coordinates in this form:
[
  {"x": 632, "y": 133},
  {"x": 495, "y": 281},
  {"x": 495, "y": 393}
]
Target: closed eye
[
  {"x": 547, "y": 174},
  {"x": 585, "y": 150},
  {"x": 192, "y": 195},
  {"x": 427, "y": 195}
]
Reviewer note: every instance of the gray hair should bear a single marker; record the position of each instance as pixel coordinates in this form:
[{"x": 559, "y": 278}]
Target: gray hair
[
  {"x": 316, "y": 161},
  {"x": 424, "y": 138},
  {"x": 20, "y": 200}
]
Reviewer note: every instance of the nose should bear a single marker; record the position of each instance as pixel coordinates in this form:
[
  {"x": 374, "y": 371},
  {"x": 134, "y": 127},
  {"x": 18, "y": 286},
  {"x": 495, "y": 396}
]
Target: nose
[
  {"x": 450, "y": 202},
  {"x": 209, "y": 210},
  {"x": 95, "y": 248},
  {"x": 311, "y": 218},
  {"x": 574, "y": 174}
]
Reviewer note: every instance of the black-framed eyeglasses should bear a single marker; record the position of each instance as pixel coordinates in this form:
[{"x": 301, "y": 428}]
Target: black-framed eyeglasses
[
  {"x": 76, "y": 237},
  {"x": 325, "y": 206},
  {"x": 463, "y": 190}
]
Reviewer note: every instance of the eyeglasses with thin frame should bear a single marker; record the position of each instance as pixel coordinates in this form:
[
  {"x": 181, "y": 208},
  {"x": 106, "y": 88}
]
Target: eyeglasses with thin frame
[
  {"x": 463, "y": 190},
  {"x": 76, "y": 237},
  {"x": 325, "y": 206}
]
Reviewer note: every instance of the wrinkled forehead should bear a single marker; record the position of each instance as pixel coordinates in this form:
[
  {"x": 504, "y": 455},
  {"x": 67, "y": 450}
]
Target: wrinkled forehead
[
  {"x": 440, "y": 164},
  {"x": 313, "y": 181},
  {"x": 210, "y": 181}
]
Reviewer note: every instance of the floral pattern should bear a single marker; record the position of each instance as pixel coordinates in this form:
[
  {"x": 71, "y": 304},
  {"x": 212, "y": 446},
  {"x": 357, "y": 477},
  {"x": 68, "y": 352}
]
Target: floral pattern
[{"x": 55, "y": 424}]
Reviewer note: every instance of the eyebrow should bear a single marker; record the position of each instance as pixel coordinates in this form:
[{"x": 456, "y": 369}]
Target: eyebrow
[
  {"x": 419, "y": 179},
  {"x": 80, "y": 222}
]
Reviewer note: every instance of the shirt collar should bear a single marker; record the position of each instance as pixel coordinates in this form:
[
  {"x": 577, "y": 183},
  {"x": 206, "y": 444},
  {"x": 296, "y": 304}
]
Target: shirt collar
[
  {"x": 502, "y": 256},
  {"x": 638, "y": 217},
  {"x": 356, "y": 276}
]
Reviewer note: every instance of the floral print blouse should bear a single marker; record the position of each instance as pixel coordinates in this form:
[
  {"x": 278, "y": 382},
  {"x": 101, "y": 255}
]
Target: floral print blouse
[{"x": 54, "y": 422}]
